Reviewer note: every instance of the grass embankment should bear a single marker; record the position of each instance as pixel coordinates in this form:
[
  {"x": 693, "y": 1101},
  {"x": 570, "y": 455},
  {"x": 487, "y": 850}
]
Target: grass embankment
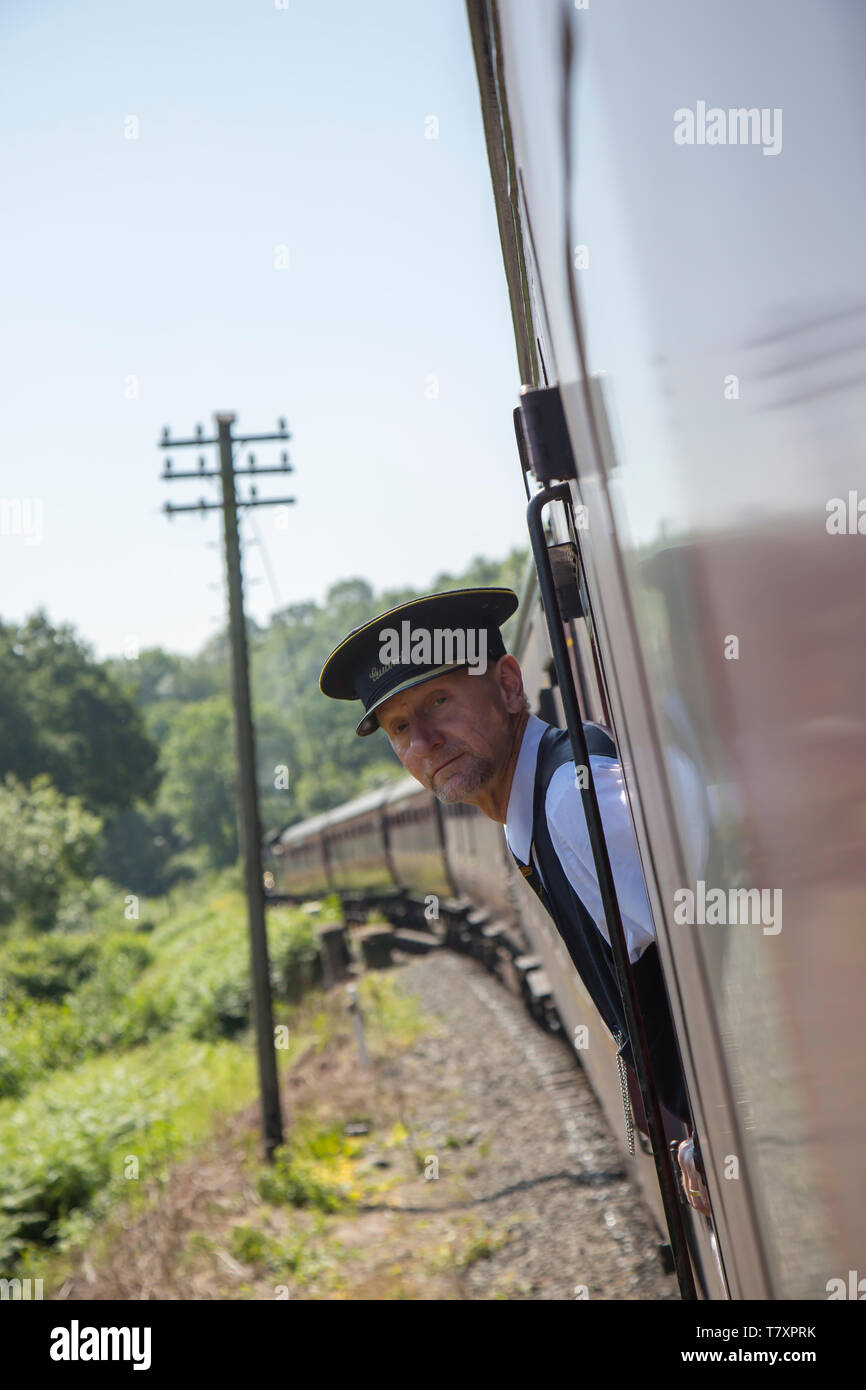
[
  {"x": 118, "y": 1047},
  {"x": 130, "y": 1132},
  {"x": 348, "y": 1209}
]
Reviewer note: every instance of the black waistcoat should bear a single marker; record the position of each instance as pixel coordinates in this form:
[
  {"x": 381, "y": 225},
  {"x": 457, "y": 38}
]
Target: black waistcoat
[{"x": 591, "y": 954}]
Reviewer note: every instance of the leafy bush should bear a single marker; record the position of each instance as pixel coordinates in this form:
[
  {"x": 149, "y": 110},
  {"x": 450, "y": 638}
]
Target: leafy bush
[
  {"x": 69, "y": 998},
  {"x": 67, "y": 1147},
  {"x": 312, "y": 1169},
  {"x": 48, "y": 967},
  {"x": 47, "y": 843},
  {"x": 201, "y": 974}
]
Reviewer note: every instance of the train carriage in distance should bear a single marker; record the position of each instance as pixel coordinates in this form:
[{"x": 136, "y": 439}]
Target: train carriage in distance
[
  {"x": 296, "y": 861},
  {"x": 413, "y": 829},
  {"x": 354, "y": 845}
]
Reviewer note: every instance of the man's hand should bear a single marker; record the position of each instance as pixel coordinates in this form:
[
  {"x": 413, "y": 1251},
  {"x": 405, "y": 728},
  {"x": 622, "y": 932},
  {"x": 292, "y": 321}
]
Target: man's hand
[{"x": 696, "y": 1193}]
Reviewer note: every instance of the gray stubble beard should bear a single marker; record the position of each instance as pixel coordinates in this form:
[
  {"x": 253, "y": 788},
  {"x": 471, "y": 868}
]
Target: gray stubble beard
[{"x": 467, "y": 781}]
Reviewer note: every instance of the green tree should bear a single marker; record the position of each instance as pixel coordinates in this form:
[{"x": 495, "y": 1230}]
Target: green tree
[
  {"x": 198, "y": 790},
  {"x": 137, "y": 849},
  {"x": 62, "y": 714},
  {"x": 48, "y": 845},
  {"x": 156, "y": 676}
]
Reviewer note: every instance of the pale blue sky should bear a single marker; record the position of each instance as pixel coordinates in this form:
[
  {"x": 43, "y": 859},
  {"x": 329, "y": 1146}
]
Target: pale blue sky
[{"x": 154, "y": 258}]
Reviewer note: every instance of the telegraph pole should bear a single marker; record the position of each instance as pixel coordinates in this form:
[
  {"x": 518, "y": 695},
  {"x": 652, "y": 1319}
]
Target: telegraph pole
[{"x": 249, "y": 826}]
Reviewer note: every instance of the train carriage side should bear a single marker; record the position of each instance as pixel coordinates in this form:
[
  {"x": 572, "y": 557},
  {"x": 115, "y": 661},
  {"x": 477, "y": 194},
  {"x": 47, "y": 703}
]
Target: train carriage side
[
  {"x": 742, "y": 549},
  {"x": 593, "y": 1045},
  {"x": 296, "y": 859},
  {"x": 478, "y": 856},
  {"x": 415, "y": 841},
  {"x": 354, "y": 838}
]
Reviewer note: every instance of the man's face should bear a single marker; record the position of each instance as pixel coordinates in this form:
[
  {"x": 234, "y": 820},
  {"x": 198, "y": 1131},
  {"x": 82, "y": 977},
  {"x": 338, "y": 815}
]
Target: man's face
[{"x": 453, "y": 733}]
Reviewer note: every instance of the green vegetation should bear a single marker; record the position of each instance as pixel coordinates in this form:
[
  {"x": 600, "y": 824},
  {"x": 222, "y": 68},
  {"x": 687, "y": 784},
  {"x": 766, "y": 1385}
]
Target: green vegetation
[
  {"x": 289, "y": 1254},
  {"x": 47, "y": 847},
  {"x": 108, "y": 988},
  {"x": 80, "y": 1140},
  {"x": 392, "y": 1019},
  {"x": 309, "y": 758},
  {"x": 130, "y": 762},
  {"x": 122, "y": 1045},
  {"x": 62, "y": 714},
  {"x": 314, "y": 1169},
  {"x": 124, "y": 973}
]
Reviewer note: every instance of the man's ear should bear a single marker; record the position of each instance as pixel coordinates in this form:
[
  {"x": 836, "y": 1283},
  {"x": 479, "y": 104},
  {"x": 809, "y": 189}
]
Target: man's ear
[{"x": 509, "y": 678}]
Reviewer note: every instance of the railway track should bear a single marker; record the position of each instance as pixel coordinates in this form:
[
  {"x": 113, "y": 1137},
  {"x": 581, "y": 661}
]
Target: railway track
[{"x": 585, "y": 1229}]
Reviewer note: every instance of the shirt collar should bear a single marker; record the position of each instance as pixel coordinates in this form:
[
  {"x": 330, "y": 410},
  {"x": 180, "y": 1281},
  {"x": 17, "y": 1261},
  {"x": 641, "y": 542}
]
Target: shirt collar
[{"x": 518, "y": 817}]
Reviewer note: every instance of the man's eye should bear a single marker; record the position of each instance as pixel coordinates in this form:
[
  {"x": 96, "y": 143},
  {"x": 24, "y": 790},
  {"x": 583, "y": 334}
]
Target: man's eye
[{"x": 438, "y": 698}]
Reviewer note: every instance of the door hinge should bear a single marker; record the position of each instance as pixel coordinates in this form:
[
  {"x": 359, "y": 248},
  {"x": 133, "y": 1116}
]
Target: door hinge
[{"x": 543, "y": 441}]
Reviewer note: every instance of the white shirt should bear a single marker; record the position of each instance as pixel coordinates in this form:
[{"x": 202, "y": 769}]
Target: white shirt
[{"x": 569, "y": 835}]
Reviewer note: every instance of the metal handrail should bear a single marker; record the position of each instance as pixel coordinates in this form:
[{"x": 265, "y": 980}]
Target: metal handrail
[{"x": 613, "y": 918}]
